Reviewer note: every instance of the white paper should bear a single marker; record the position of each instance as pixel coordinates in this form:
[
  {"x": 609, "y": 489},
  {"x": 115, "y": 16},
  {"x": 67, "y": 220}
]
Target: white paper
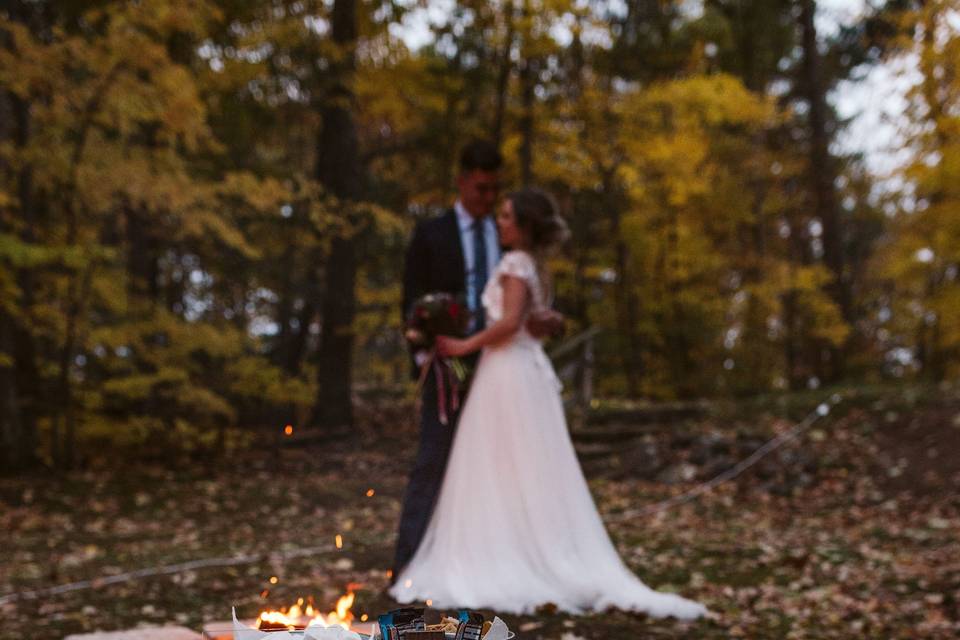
[
  {"x": 317, "y": 631},
  {"x": 498, "y": 630},
  {"x": 242, "y": 632}
]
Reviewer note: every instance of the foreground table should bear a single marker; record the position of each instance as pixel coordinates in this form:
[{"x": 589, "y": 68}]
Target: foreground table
[{"x": 143, "y": 633}]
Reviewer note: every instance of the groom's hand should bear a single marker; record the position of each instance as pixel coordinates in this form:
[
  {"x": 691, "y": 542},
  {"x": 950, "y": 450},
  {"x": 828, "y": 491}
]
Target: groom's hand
[{"x": 546, "y": 324}]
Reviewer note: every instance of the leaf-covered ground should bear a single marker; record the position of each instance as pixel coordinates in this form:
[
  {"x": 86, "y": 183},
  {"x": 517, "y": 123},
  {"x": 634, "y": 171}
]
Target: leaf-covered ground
[{"x": 850, "y": 532}]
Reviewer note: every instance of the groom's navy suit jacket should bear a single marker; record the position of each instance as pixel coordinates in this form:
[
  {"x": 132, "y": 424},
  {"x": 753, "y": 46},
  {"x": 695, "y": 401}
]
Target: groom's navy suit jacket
[{"x": 434, "y": 261}]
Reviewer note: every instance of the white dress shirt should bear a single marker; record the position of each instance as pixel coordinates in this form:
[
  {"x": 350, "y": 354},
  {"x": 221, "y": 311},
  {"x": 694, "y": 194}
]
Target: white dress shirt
[{"x": 465, "y": 221}]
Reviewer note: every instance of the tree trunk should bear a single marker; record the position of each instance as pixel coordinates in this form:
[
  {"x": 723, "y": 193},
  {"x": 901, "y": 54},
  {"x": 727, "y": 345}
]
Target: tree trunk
[
  {"x": 630, "y": 319},
  {"x": 19, "y": 380},
  {"x": 823, "y": 174},
  {"x": 11, "y": 426},
  {"x": 143, "y": 256},
  {"x": 297, "y": 308},
  {"x": 528, "y": 81},
  {"x": 503, "y": 75},
  {"x": 801, "y": 351},
  {"x": 580, "y": 224},
  {"x": 933, "y": 363},
  {"x": 676, "y": 337},
  {"x": 795, "y": 379},
  {"x": 755, "y": 363},
  {"x": 298, "y": 339},
  {"x": 286, "y": 294},
  {"x": 340, "y": 170},
  {"x": 625, "y": 300}
]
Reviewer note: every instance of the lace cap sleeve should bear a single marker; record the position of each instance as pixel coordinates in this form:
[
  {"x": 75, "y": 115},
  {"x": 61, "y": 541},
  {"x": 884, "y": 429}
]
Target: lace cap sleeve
[{"x": 519, "y": 265}]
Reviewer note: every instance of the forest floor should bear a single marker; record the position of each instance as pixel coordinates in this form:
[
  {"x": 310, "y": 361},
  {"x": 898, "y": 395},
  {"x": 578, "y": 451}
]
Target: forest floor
[{"x": 848, "y": 532}]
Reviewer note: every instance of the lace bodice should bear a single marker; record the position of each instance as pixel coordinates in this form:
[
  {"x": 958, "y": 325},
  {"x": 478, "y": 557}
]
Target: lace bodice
[{"x": 520, "y": 265}]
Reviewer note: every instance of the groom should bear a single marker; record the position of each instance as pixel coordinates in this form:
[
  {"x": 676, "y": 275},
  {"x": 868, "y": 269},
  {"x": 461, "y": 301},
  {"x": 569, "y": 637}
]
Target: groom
[{"x": 454, "y": 253}]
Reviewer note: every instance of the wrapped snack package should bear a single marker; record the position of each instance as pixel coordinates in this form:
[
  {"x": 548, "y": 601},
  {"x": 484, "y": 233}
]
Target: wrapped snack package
[
  {"x": 446, "y": 625},
  {"x": 471, "y": 625},
  {"x": 395, "y": 624},
  {"x": 491, "y": 630},
  {"x": 400, "y": 624}
]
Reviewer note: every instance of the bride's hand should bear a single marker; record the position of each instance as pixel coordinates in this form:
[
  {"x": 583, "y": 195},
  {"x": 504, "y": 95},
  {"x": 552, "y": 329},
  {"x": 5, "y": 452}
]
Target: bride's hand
[
  {"x": 546, "y": 324},
  {"x": 453, "y": 347}
]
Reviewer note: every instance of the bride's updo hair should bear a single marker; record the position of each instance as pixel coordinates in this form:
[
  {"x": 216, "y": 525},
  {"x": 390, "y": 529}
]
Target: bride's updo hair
[{"x": 536, "y": 213}]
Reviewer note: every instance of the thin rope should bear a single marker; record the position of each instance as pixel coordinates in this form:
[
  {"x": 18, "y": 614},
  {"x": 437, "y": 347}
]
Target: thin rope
[
  {"x": 821, "y": 411},
  {"x": 148, "y": 572}
]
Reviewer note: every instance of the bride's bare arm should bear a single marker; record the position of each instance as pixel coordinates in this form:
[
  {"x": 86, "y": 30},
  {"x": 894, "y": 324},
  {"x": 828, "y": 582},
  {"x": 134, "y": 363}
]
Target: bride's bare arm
[{"x": 515, "y": 294}]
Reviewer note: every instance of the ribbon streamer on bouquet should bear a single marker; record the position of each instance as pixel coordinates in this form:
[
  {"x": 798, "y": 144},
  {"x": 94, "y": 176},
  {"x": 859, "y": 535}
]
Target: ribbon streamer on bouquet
[{"x": 445, "y": 378}]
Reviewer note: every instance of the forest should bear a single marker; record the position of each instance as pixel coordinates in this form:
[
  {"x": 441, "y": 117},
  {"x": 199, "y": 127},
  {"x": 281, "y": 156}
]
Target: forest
[
  {"x": 204, "y": 211},
  {"x": 204, "y": 205}
]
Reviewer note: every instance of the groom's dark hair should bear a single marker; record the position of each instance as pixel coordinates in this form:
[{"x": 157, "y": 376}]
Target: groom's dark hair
[{"x": 480, "y": 155}]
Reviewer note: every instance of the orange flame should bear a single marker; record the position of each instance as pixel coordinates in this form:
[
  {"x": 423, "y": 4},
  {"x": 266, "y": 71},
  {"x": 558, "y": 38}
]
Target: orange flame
[
  {"x": 300, "y": 617},
  {"x": 342, "y": 616}
]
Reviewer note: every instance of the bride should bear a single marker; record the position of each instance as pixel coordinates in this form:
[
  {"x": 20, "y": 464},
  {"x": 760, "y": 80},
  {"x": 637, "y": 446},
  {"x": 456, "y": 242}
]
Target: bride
[{"x": 515, "y": 526}]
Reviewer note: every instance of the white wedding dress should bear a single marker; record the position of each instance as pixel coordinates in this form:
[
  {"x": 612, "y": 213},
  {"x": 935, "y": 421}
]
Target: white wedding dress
[{"x": 515, "y": 526}]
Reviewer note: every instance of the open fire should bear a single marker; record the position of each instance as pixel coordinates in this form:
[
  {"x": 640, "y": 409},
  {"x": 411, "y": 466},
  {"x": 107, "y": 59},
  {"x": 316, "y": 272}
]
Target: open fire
[{"x": 303, "y": 613}]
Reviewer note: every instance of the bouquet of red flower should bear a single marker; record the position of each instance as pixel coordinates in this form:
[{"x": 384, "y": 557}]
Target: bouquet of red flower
[
  {"x": 432, "y": 315},
  {"x": 436, "y": 314}
]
